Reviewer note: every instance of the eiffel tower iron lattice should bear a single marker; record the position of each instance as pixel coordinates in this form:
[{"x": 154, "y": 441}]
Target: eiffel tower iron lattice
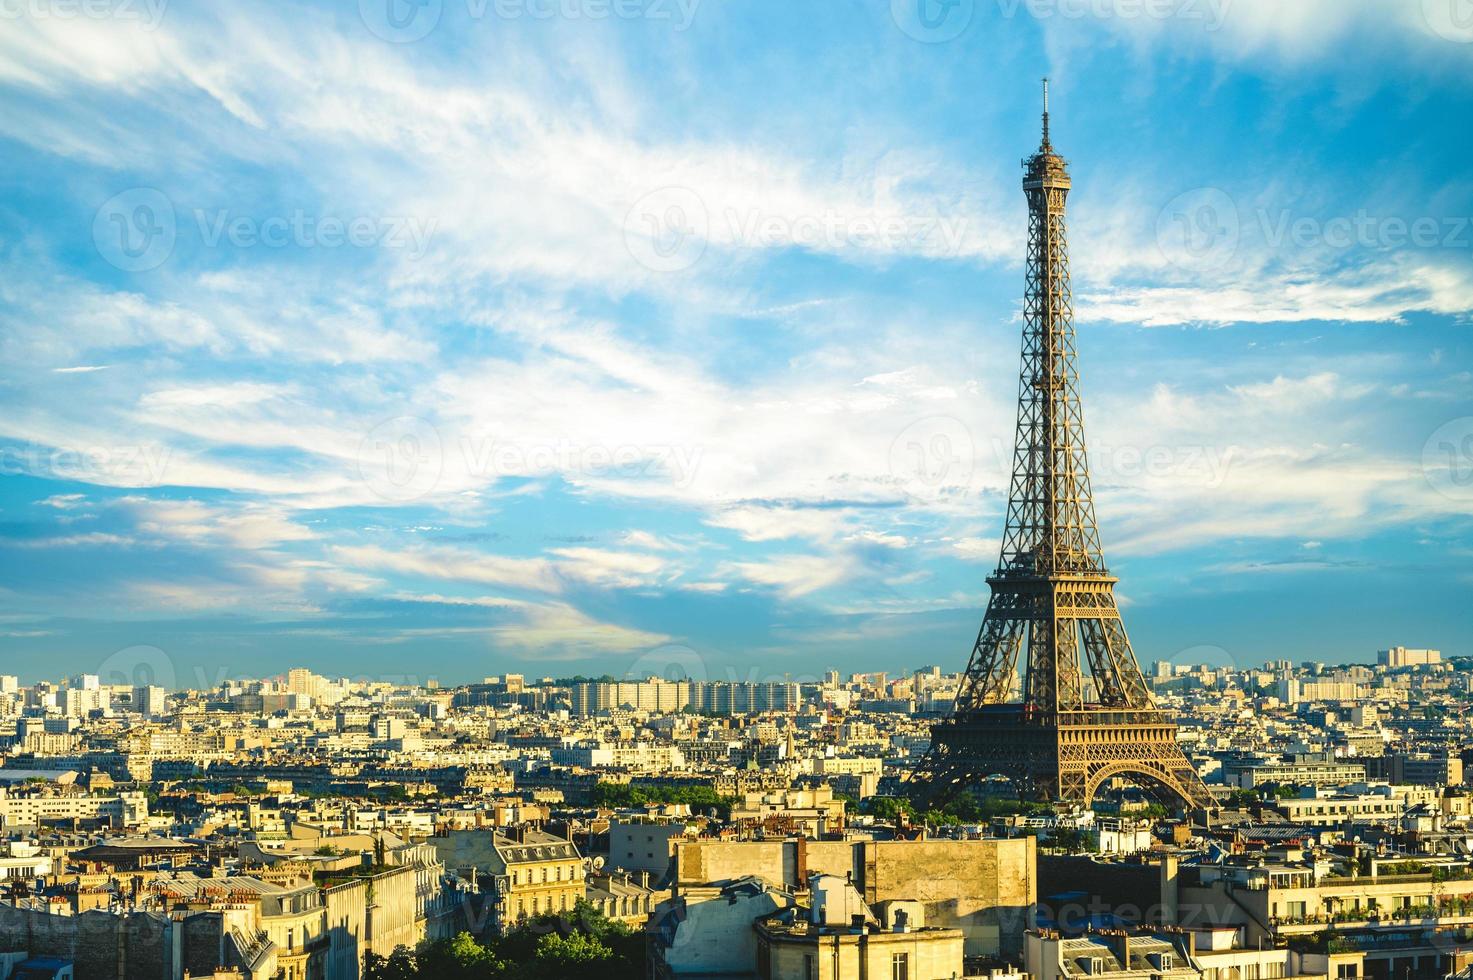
[{"x": 1085, "y": 714}]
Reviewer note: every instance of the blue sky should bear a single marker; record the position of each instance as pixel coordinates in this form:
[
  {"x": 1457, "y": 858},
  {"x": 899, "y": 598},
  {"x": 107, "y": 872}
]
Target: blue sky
[{"x": 447, "y": 339}]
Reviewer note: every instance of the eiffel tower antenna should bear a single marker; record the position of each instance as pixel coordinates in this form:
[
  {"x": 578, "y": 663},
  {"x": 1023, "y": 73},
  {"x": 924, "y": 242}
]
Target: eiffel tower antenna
[
  {"x": 1045, "y": 145},
  {"x": 1080, "y": 714}
]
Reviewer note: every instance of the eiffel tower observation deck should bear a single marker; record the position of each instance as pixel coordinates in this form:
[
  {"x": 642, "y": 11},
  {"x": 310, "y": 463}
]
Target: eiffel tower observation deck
[{"x": 1085, "y": 714}]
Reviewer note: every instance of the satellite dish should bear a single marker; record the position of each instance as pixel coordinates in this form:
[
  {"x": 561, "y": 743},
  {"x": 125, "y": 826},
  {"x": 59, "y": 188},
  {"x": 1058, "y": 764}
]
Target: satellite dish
[{"x": 598, "y": 864}]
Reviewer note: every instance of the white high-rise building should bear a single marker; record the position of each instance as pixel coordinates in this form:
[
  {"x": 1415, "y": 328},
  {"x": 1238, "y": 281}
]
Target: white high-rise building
[
  {"x": 1402, "y": 657},
  {"x": 149, "y": 701}
]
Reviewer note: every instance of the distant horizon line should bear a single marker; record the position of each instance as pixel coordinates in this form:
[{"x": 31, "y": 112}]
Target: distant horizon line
[{"x": 545, "y": 680}]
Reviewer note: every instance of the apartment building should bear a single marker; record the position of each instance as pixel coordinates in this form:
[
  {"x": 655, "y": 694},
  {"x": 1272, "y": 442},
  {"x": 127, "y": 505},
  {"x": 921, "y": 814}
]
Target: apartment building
[
  {"x": 28, "y": 808},
  {"x": 1380, "y": 803}
]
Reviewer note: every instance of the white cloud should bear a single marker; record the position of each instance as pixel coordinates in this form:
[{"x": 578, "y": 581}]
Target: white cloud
[
  {"x": 535, "y": 574},
  {"x": 795, "y": 575}
]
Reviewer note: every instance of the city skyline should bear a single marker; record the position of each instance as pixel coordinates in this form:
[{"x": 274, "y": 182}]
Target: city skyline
[{"x": 544, "y": 349}]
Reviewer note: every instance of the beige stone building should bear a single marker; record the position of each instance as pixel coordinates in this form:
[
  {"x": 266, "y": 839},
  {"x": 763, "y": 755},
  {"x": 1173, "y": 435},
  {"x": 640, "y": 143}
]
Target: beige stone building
[
  {"x": 536, "y": 873},
  {"x": 838, "y": 937},
  {"x": 985, "y": 888},
  {"x": 1117, "y": 956}
]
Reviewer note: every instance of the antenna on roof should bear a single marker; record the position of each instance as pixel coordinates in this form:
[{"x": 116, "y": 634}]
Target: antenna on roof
[{"x": 1045, "y": 113}]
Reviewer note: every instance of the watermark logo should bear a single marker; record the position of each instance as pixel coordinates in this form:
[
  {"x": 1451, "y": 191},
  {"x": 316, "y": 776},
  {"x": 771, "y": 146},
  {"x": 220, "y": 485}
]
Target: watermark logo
[
  {"x": 1203, "y": 655},
  {"x": 932, "y": 21},
  {"x": 1202, "y": 229},
  {"x": 670, "y": 662},
  {"x": 1204, "y": 466},
  {"x": 1210, "y": 13},
  {"x": 833, "y": 231},
  {"x": 932, "y": 456},
  {"x": 401, "y": 459},
  {"x": 1451, "y": 20},
  {"x": 138, "y": 666},
  {"x": 303, "y": 230},
  {"x": 400, "y": 21},
  {"x": 1199, "y": 229},
  {"x": 406, "y": 21},
  {"x": 1447, "y": 459},
  {"x": 1364, "y": 230},
  {"x": 487, "y": 456},
  {"x": 145, "y": 13},
  {"x": 136, "y": 229},
  {"x": 134, "y": 466},
  {"x": 666, "y": 230}
]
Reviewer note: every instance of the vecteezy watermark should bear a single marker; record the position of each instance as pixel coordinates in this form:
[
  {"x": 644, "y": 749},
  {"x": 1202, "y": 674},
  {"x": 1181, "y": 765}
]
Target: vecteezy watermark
[
  {"x": 401, "y": 459},
  {"x": 933, "y": 456},
  {"x": 302, "y": 230},
  {"x": 1202, "y": 655},
  {"x": 935, "y": 21},
  {"x": 1205, "y": 466},
  {"x": 1365, "y": 230},
  {"x": 146, "y": 13},
  {"x": 405, "y": 458},
  {"x": 1451, "y": 20},
  {"x": 1210, "y": 13},
  {"x": 1199, "y": 229},
  {"x": 667, "y": 229},
  {"x": 1203, "y": 228},
  {"x": 135, "y": 466},
  {"x": 835, "y": 230},
  {"x": 137, "y": 230},
  {"x": 488, "y": 457},
  {"x": 138, "y": 666},
  {"x": 932, "y": 21},
  {"x": 1447, "y": 459},
  {"x": 406, "y": 21},
  {"x": 669, "y": 662}
]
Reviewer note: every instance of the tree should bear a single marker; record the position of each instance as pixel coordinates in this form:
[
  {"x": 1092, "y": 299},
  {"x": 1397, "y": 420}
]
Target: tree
[
  {"x": 548, "y": 947},
  {"x": 558, "y": 956},
  {"x": 628, "y": 794}
]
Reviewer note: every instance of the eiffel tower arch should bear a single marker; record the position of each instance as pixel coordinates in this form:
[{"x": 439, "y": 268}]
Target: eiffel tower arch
[{"x": 1083, "y": 713}]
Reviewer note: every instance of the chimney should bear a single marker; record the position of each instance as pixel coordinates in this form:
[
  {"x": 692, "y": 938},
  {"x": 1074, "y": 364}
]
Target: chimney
[
  {"x": 856, "y": 924},
  {"x": 1122, "y": 948}
]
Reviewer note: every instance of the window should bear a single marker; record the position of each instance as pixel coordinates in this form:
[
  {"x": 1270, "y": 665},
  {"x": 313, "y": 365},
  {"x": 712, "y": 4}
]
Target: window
[
  {"x": 1346, "y": 971},
  {"x": 810, "y": 967},
  {"x": 900, "y": 966}
]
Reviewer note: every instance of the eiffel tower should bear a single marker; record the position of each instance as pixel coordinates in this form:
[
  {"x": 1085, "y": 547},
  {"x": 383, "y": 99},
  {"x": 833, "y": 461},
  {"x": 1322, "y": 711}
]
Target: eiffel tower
[{"x": 1085, "y": 714}]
